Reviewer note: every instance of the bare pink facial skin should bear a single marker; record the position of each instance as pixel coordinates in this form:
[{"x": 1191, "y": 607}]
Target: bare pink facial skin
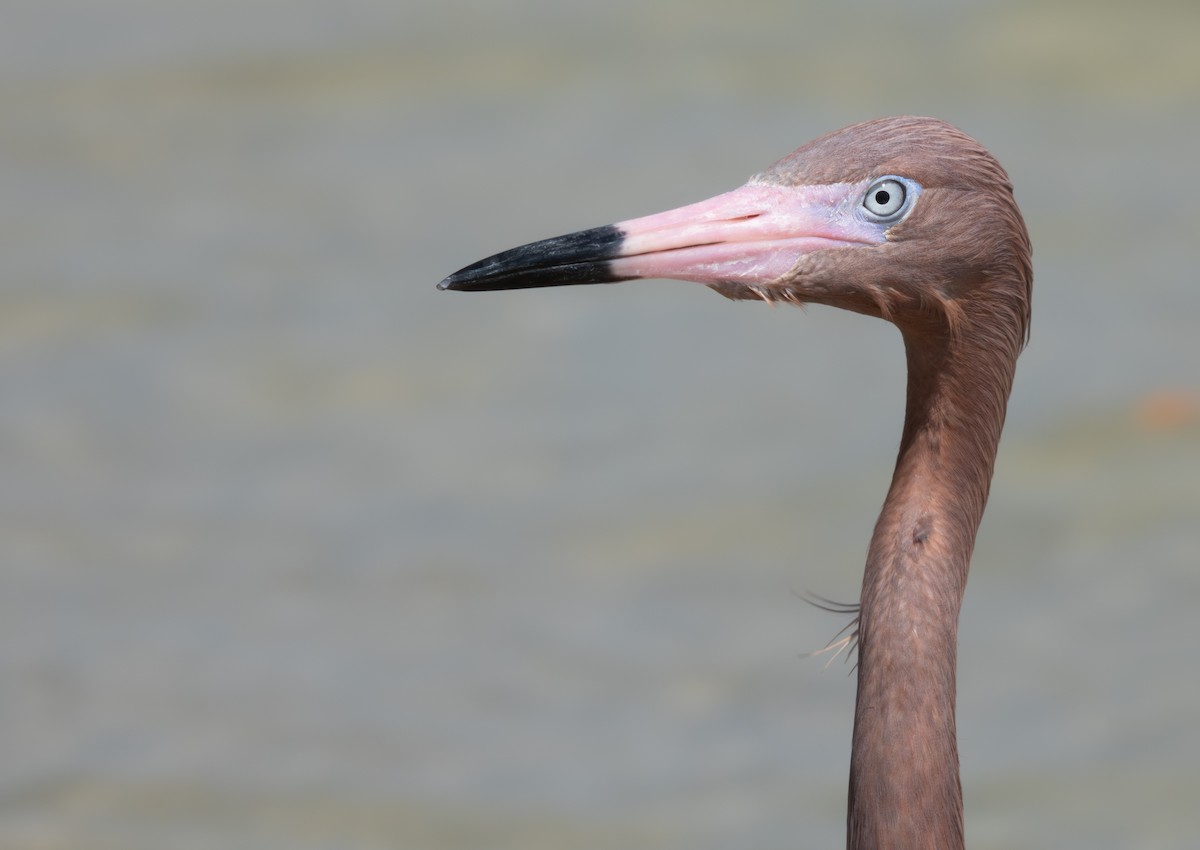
[{"x": 755, "y": 234}]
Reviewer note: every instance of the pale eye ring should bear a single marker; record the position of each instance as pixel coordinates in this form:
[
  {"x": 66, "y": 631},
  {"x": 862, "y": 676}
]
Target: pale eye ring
[{"x": 885, "y": 199}]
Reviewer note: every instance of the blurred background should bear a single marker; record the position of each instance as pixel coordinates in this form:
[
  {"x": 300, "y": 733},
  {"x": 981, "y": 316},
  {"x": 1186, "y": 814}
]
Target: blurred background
[{"x": 298, "y": 552}]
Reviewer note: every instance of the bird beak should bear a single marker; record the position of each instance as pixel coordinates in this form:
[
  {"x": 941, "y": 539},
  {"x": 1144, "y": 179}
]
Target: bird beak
[{"x": 754, "y": 236}]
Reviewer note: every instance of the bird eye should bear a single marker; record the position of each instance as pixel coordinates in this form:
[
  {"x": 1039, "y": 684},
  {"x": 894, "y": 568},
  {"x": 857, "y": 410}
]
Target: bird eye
[{"x": 885, "y": 199}]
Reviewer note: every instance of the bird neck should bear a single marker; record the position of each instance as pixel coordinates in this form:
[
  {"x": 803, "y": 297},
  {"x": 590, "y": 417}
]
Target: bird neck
[{"x": 904, "y": 783}]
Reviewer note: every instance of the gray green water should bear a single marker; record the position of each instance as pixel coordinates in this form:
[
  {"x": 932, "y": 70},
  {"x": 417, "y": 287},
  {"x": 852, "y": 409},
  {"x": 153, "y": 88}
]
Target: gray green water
[{"x": 296, "y": 551}]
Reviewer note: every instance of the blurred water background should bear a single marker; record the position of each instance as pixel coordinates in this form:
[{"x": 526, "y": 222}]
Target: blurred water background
[{"x": 298, "y": 552}]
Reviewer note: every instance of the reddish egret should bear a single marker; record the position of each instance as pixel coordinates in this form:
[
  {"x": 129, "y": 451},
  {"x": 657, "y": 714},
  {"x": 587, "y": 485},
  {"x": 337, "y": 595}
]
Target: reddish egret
[{"x": 910, "y": 220}]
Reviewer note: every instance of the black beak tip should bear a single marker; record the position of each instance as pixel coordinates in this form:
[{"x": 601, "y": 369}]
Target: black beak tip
[
  {"x": 581, "y": 257},
  {"x": 468, "y": 280}
]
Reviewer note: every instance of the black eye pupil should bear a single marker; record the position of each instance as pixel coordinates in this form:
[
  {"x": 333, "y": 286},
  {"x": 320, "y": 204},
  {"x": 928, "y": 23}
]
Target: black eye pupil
[{"x": 882, "y": 197}]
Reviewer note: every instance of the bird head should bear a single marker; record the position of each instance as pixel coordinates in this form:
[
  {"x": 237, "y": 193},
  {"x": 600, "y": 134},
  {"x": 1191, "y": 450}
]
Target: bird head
[{"x": 908, "y": 219}]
